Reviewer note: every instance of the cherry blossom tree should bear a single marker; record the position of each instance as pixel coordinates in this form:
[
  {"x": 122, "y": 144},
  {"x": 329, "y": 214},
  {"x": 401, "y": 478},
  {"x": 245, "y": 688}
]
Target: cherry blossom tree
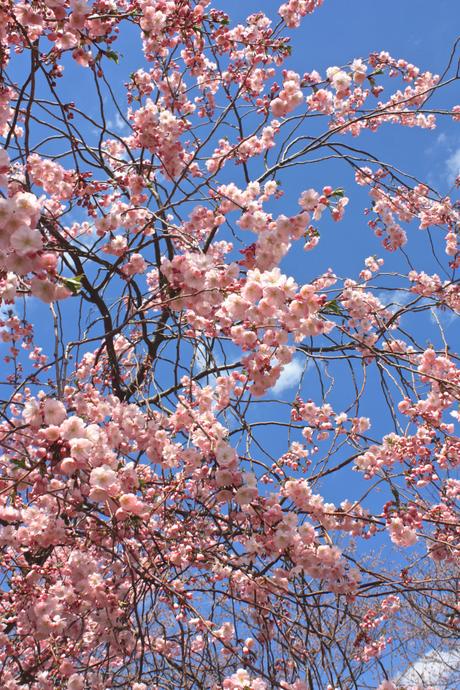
[{"x": 172, "y": 515}]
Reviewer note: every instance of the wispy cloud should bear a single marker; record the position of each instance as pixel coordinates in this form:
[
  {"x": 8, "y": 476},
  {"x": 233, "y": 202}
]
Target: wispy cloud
[
  {"x": 394, "y": 299},
  {"x": 436, "y": 668},
  {"x": 453, "y": 166},
  {"x": 117, "y": 124},
  {"x": 442, "y": 318},
  {"x": 202, "y": 363},
  {"x": 290, "y": 377}
]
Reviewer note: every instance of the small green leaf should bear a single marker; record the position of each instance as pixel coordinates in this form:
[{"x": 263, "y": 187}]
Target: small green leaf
[
  {"x": 332, "y": 307},
  {"x": 19, "y": 462},
  {"x": 112, "y": 55},
  {"x": 73, "y": 284}
]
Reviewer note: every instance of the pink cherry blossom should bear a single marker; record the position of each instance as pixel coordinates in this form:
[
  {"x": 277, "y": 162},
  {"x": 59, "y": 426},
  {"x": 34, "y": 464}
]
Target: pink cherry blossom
[{"x": 225, "y": 463}]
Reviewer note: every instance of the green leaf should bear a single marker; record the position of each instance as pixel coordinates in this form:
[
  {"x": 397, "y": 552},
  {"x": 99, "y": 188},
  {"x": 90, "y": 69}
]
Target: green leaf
[
  {"x": 19, "y": 462},
  {"x": 112, "y": 55},
  {"x": 332, "y": 307},
  {"x": 73, "y": 284}
]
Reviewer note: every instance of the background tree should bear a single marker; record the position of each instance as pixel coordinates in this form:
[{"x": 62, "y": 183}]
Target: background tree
[{"x": 215, "y": 475}]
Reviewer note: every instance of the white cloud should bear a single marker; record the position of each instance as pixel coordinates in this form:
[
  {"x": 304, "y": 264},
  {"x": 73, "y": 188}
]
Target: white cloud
[
  {"x": 120, "y": 123},
  {"x": 436, "y": 668},
  {"x": 393, "y": 300},
  {"x": 290, "y": 377},
  {"x": 443, "y": 318},
  {"x": 202, "y": 363},
  {"x": 453, "y": 166},
  {"x": 117, "y": 124}
]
